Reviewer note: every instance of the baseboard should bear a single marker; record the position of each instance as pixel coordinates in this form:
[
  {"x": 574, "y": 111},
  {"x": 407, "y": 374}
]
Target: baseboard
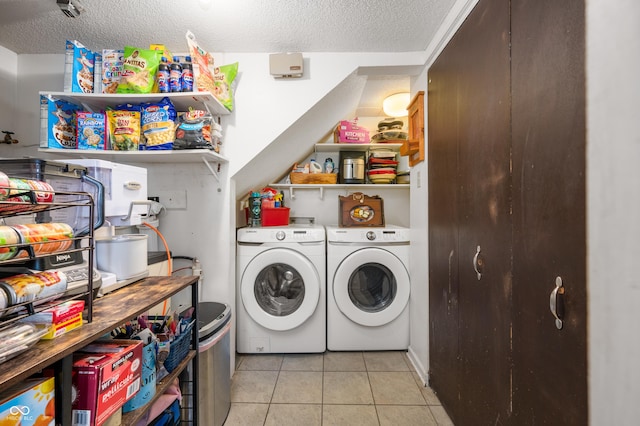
[{"x": 418, "y": 367}]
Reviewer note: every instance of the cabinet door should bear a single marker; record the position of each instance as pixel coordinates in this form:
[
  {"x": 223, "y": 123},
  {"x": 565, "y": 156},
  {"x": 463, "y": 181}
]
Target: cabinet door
[
  {"x": 469, "y": 186},
  {"x": 483, "y": 84},
  {"x": 548, "y": 62},
  {"x": 443, "y": 235}
]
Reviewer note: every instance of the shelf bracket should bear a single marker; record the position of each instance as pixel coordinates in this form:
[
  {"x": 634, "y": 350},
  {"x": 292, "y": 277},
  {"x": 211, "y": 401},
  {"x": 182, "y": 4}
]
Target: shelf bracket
[
  {"x": 213, "y": 172},
  {"x": 292, "y": 194}
]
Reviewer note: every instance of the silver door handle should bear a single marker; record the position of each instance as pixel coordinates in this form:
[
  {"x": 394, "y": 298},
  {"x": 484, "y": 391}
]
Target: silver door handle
[
  {"x": 478, "y": 263},
  {"x": 555, "y": 305}
]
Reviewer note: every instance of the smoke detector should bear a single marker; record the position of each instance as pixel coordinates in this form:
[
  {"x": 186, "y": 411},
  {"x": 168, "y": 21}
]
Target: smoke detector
[{"x": 71, "y": 8}]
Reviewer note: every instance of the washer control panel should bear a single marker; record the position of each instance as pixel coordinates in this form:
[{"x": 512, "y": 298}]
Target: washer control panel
[{"x": 287, "y": 234}]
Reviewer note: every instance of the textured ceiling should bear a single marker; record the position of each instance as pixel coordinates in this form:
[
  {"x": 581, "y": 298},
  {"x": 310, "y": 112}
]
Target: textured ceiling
[{"x": 39, "y": 26}]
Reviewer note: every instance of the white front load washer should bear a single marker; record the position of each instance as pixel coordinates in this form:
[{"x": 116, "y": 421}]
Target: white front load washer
[
  {"x": 281, "y": 289},
  {"x": 368, "y": 288}
]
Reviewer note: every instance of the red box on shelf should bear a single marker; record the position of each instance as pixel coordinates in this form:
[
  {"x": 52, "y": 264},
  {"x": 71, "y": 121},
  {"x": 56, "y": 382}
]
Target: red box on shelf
[{"x": 275, "y": 216}]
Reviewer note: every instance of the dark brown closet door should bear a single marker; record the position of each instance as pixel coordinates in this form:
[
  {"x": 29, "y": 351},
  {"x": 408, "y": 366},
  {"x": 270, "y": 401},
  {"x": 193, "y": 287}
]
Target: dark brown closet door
[
  {"x": 469, "y": 113},
  {"x": 484, "y": 215},
  {"x": 548, "y": 63},
  {"x": 443, "y": 235}
]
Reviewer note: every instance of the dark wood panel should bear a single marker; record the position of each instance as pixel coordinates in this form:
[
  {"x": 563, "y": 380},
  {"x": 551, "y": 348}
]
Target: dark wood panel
[
  {"x": 469, "y": 196},
  {"x": 548, "y": 62},
  {"x": 484, "y": 214},
  {"x": 443, "y": 236}
]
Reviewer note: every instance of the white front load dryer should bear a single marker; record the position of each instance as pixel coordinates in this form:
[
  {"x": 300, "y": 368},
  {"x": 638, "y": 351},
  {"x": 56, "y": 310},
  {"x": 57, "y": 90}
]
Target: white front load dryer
[
  {"x": 368, "y": 288},
  {"x": 281, "y": 289}
]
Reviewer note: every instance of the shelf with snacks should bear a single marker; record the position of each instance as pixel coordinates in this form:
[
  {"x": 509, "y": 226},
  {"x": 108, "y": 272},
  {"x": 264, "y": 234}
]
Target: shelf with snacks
[{"x": 181, "y": 100}]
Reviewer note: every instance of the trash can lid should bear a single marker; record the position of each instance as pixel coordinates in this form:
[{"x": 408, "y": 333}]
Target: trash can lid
[{"x": 212, "y": 316}]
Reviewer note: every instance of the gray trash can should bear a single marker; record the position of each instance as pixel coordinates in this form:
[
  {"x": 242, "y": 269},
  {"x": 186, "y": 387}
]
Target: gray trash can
[{"x": 214, "y": 363}]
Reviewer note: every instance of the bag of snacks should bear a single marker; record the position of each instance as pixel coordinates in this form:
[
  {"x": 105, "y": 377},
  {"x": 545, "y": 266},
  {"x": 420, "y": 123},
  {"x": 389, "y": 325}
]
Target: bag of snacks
[
  {"x": 201, "y": 61},
  {"x": 224, "y": 79},
  {"x": 138, "y": 70},
  {"x": 158, "y": 124},
  {"x": 194, "y": 130},
  {"x": 124, "y": 130}
]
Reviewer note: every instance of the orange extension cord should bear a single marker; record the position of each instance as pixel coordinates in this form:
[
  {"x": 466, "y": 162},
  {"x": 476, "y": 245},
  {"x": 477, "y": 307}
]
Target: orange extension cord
[{"x": 169, "y": 261}]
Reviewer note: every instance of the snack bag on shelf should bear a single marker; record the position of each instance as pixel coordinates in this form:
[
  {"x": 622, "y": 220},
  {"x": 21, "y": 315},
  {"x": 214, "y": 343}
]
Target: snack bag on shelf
[
  {"x": 158, "y": 124},
  {"x": 224, "y": 78},
  {"x": 202, "y": 61},
  {"x": 124, "y": 130},
  {"x": 139, "y": 70}
]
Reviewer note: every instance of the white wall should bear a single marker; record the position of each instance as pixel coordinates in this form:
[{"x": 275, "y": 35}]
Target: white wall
[
  {"x": 8, "y": 89},
  {"x": 613, "y": 209}
]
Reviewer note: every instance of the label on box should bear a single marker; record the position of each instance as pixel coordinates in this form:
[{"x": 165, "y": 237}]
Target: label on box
[
  {"x": 350, "y": 132},
  {"x": 112, "y": 63},
  {"x": 57, "y": 123},
  {"x": 91, "y": 130},
  {"x": 31, "y": 403},
  {"x": 78, "y": 68}
]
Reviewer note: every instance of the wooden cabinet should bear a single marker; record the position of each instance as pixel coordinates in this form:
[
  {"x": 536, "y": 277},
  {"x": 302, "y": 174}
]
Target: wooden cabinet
[
  {"x": 506, "y": 216},
  {"x": 549, "y": 224},
  {"x": 469, "y": 219},
  {"x": 414, "y": 146},
  {"x": 109, "y": 312}
]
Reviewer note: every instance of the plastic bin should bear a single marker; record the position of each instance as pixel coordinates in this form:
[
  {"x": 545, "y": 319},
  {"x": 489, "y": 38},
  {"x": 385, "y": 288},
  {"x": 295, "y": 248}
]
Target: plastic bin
[{"x": 276, "y": 216}]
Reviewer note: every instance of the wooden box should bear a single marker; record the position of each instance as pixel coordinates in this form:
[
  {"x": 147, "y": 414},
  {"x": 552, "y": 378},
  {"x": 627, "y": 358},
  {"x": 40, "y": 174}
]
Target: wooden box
[
  {"x": 358, "y": 209},
  {"x": 313, "y": 178}
]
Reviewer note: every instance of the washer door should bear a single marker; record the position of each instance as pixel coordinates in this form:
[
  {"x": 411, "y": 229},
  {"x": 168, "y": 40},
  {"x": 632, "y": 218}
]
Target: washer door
[
  {"x": 280, "y": 289},
  {"x": 371, "y": 287}
]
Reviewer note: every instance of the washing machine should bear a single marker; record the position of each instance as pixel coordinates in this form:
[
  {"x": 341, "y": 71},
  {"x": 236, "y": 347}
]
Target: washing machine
[
  {"x": 281, "y": 289},
  {"x": 368, "y": 288}
]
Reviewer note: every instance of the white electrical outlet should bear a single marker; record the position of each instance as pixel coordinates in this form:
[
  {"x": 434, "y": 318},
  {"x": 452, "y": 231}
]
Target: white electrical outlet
[
  {"x": 419, "y": 180},
  {"x": 176, "y": 200}
]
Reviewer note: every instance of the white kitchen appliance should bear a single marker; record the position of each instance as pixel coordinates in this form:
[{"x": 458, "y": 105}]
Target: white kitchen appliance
[
  {"x": 281, "y": 299},
  {"x": 368, "y": 288},
  {"x": 125, "y": 189}
]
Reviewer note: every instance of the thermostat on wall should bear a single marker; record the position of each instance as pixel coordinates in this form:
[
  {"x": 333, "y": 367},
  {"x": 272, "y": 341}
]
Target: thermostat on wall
[{"x": 286, "y": 65}]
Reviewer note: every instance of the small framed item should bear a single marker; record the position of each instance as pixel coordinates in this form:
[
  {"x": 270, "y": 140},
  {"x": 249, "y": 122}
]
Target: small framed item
[{"x": 358, "y": 209}]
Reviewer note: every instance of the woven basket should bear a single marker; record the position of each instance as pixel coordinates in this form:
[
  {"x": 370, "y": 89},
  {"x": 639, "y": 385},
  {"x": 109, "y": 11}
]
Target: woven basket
[{"x": 313, "y": 178}]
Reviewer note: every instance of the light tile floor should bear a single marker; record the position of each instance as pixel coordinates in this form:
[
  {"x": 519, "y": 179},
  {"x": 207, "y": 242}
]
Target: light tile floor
[{"x": 334, "y": 388}]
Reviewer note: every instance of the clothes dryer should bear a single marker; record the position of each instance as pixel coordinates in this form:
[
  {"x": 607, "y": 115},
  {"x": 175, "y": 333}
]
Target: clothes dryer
[
  {"x": 368, "y": 288},
  {"x": 281, "y": 289}
]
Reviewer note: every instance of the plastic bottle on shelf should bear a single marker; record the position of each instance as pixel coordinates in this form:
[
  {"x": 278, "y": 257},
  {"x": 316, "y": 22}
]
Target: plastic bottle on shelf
[
  {"x": 163, "y": 76},
  {"x": 255, "y": 209},
  {"x": 187, "y": 75},
  {"x": 175, "y": 75}
]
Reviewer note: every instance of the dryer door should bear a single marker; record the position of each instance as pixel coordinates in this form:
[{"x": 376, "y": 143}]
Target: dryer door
[
  {"x": 371, "y": 287},
  {"x": 280, "y": 289}
]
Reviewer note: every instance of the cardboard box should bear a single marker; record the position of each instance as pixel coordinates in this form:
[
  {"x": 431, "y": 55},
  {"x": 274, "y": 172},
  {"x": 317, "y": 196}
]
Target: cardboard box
[
  {"x": 60, "y": 319},
  {"x": 112, "y": 63},
  {"x": 350, "y": 132},
  {"x": 105, "y": 376},
  {"x": 30, "y": 403},
  {"x": 57, "y": 123},
  {"x": 78, "y": 68}
]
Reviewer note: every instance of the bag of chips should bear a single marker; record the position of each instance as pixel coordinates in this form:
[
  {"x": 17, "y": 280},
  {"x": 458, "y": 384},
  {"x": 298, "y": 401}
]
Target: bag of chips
[
  {"x": 224, "y": 78},
  {"x": 158, "y": 124},
  {"x": 124, "y": 130},
  {"x": 194, "y": 130},
  {"x": 138, "y": 70}
]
